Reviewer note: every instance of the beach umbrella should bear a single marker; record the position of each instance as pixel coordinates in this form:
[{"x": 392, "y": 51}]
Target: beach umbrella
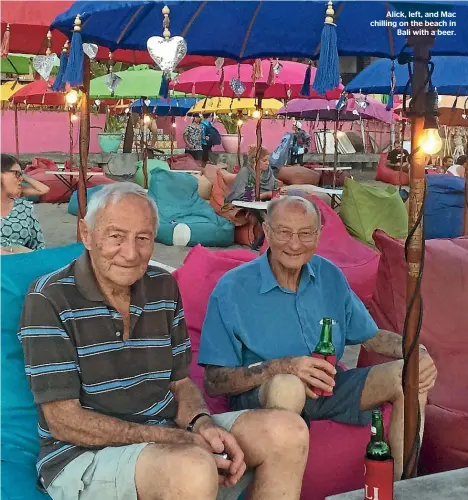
[
  {"x": 224, "y": 105},
  {"x": 450, "y": 77},
  {"x": 163, "y": 107},
  {"x": 7, "y": 89},
  {"x": 241, "y": 81},
  {"x": 17, "y": 64},
  {"x": 40, "y": 93}
]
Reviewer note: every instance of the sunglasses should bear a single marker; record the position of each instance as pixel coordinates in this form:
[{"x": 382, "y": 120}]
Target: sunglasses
[{"x": 17, "y": 173}]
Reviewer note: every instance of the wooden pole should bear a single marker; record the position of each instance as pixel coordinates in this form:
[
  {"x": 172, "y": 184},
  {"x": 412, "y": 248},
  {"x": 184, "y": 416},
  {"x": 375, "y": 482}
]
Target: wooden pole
[
  {"x": 257, "y": 158},
  {"x": 84, "y": 144},
  {"x": 70, "y": 153},
  {"x": 173, "y": 124},
  {"x": 465, "y": 231},
  {"x": 16, "y": 131},
  {"x": 421, "y": 46},
  {"x": 324, "y": 145},
  {"x": 335, "y": 157}
]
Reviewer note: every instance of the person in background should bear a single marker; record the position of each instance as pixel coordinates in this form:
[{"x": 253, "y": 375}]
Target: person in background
[
  {"x": 458, "y": 169},
  {"x": 300, "y": 145},
  {"x": 398, "y": 158},
  {"x": 20, "y": 230},
  {"x": 244, "y": 185},
  {"x": 447, "y": 162},
  {"x": 193, "y": 138},
  {"x": 205, "y": 141}
]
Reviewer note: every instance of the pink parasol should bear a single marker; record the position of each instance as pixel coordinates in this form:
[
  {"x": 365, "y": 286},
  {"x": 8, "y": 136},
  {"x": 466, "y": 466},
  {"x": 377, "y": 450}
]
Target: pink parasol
[{"x": 213, "y": 82}]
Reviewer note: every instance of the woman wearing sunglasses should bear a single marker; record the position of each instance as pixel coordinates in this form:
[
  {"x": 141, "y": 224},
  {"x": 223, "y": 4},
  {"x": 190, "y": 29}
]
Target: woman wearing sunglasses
[{"x": 20, "y": 230}]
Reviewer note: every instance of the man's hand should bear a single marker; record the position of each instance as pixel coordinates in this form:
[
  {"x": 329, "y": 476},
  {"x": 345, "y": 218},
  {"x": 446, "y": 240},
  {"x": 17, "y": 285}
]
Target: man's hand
[
  {"x": 314, "y": 372},
  {"x": 427, "y": 370},
  {"x": 266, "y": 195},
  {"x": 221, "y": 441}
]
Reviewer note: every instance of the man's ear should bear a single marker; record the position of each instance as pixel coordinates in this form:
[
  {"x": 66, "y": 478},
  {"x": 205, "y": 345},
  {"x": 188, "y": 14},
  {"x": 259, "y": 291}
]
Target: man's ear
[
  {"x": 85, "y": 234},
  {"x": 266, "y": 232}
]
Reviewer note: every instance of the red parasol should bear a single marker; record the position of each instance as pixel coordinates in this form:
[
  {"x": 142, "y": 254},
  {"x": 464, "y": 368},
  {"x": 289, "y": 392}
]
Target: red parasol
[{"x": 39, "y": 93}]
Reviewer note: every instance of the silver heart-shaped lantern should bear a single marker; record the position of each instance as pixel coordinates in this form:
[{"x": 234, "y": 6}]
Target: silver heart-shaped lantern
[
  {"x": 112, "y": 81},
  {"x": 90, "y": 49},
  {"x": 167, "y": 54},
  {"x": 147, "y": 102},
  {"x": 237, "y": 86},
  {"x": 44, "y": 64}
]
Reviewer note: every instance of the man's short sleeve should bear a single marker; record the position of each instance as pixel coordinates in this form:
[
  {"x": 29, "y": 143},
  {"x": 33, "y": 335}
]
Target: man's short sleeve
[
  {"x": 181, "y": 347},
  {"x": 359, "y": 324},
  {"x": 218, "y": 345},
  {"x": 50, "y": 356}
]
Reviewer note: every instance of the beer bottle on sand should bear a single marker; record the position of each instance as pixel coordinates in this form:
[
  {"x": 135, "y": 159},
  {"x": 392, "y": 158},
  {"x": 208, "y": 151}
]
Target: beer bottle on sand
[
  {"x": 325, "y": 350},
  {"x": 378, "y": 463}
]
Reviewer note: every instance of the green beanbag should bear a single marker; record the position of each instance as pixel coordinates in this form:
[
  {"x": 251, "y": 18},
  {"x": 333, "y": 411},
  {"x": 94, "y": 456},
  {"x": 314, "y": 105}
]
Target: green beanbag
[
  {"x": 152, "y": 164},
  {"x": 367, "y": 208}
]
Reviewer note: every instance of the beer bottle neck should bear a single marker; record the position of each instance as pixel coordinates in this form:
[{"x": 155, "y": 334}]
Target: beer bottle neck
[
  {"x": 326, "y": 335},
  {"x": 377, "y": 430}
]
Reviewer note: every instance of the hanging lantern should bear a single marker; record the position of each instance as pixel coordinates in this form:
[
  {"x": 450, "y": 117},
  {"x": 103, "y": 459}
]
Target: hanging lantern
[{"x": 44, "y": 64}]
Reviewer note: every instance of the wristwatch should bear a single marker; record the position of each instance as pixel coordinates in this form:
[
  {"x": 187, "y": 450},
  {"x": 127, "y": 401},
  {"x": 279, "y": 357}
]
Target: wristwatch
[{"x": 194, "y": 420}]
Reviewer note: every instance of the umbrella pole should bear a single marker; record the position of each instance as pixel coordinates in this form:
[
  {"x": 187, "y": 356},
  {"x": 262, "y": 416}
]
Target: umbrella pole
[
  {"x": 324, "y": 145},
  {"x": 239, "y": 140},
  {"x": 465, "y": 231},
  {"x": 257, "y": 158},
  {"x": 173, "y": 124},
  {"x": 16, "y": 131},
  {"x": 415, "y": 246},
  {"x": 84, "y": 144},
  {"x": 70, "y": 114},
  {"x": 335, "y": 158}
]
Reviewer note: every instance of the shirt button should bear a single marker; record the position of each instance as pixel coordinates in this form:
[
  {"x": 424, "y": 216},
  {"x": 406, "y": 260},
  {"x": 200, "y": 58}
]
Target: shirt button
[{"x": 117, "y": 334}]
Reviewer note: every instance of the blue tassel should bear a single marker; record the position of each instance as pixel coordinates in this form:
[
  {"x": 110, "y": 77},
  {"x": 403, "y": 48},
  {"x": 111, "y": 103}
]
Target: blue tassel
[
  {"x": 305, "y": 90},
  {"x": 59, "y": 83},
  {"x": 328, "y": 71},
  {"x": 164, "y": 88},
  {"x": 389, "y": 105},
  {"x": 74, "y": 71}
]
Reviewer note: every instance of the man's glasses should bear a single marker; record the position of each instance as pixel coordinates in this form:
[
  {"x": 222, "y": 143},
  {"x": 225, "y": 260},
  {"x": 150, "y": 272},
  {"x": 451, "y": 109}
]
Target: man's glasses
[
  {"x": 17, "y": 173},
  {"x": 285, "y": 235}
]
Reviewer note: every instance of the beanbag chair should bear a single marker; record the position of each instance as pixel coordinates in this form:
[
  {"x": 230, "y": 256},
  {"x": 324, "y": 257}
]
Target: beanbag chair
[
  {"x": 387, "y": 174},
  {"x": 297, "y": 174},
  {"x": 73, "y": 203},
  {"x": 221, "y": 188},
  {"x": 332, "y": 446},
  {"x": 358, "y": 262},
  {"x": 19, "y": 438},
  {"x": 184, "y": 162},
  {"x": 443, "y": 208},
  {"x": 151, "y": 165},
  {"x": 366, "y": 208},
  {"x": 184, "y": 218},
  {"x": 443, "y": 332}
]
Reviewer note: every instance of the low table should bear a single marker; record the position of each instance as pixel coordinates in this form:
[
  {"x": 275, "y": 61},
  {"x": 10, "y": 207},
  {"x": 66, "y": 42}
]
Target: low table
[
  {"x": 258, "y": 210},
  {"x": 67, "y": 177},
  {"x": 451, "y": 485},
  {"x": 330, "y": 169}
]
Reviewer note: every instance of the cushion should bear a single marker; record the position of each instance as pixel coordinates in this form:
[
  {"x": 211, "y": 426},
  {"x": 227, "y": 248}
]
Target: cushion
[
  {"x": 19, "y": 439},
  {"x": 221, "y": 188},
  {"x": 443, "y": 208},
  {"x": 151, "y": 165},
  {"x": 366, "y": 208},
  {"x": 73, "y": 203},
  {"x": 185, "y": 218},
  {"x": 204, "y": 186},
  {"x": 387, "y": 174},
  {"x": 184, "y": 162},
  {"x": 297, "y": 174}
]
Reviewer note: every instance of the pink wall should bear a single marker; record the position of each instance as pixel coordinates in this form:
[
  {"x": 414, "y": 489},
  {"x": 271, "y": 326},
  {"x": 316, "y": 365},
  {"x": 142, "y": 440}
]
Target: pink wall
[{"x": 47, "y": 131}]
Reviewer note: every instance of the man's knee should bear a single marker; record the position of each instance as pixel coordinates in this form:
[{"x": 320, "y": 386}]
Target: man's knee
[
  {"x": 186, "y": 471},
  {"x": 285, "y": 392},
  {"x": 287, "y": 431}
]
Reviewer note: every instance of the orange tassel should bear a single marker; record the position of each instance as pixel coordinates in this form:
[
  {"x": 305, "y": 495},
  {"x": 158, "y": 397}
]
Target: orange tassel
[
  {"x": 256, "y": 70},
  {"x": 271, "y": 75},
  {"x": 6, "y": 42}
]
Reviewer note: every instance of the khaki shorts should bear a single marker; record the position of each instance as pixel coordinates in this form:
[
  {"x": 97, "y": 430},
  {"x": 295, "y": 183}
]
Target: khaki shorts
[{"x": 109, "y": 474}]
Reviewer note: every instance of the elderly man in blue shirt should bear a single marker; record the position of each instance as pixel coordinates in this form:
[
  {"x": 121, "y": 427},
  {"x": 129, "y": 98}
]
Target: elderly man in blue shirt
[{"x": 263, "y": 322}]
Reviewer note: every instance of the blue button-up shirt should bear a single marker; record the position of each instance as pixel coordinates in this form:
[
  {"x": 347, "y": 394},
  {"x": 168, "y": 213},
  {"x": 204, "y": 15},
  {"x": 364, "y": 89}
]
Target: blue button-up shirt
[{"x": 251, "y": 318}]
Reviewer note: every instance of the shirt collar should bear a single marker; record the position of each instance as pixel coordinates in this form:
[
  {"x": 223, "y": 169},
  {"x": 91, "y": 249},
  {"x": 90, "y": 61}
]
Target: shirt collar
[
  {"x": 268, "y": 280},
  {"x": 87, "y": 284}
]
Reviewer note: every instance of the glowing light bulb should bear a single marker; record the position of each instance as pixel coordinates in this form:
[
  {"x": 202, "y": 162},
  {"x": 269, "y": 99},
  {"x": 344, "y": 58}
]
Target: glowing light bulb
[
  {"x": 174, "y": 125},
  {"x": 147, "y": 119},
  {"x": 256, "y": 114},
  {"x": 431, "y": 143},
  {"x": 73, "y": 117},
  {"x": 72, "y": 97},
  {"x": 240, "y": 123}
]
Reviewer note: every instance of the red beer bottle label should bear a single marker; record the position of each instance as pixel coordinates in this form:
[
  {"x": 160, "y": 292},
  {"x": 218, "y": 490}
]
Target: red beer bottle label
[
  {"x": 378, "y": 479},
  {"x": 332, "y": 361}
]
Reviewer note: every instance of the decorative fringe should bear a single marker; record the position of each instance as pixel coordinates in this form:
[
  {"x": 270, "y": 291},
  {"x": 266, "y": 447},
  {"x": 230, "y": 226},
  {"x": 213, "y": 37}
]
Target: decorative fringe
[
  {"x": 271, "y": 75},
  {"x": 74, "y": 71},
  {"x": 6, "y": 42},
  {"x": 59, "y": 83},
  {"x": 164, "y": 88},
  {"x": 305, "y": 90},
  {"x": 328, "y": 72},
  {"x": 221, "y": 81},
  {"x": 257, "y": 70}
]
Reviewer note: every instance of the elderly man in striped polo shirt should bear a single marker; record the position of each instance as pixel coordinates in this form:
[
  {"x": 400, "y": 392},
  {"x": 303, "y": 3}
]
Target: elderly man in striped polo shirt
[{"x": 107, "y": 356}]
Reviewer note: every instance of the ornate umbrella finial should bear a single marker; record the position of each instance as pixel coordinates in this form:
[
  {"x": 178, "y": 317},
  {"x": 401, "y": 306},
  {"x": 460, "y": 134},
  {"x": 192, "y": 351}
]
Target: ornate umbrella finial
[
  {"x": 330, "y": 14},
  {"x": 49, "y": 43},
  {"x": 166, "y": 22}
]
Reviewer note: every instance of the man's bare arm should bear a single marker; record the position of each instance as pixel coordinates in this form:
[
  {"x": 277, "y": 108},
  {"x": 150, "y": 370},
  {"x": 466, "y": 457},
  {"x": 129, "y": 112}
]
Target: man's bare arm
[
  {"x": 385, "y": 343},
  {"x": 189, "y": 399},
  {"x": 68, "y": 421}
]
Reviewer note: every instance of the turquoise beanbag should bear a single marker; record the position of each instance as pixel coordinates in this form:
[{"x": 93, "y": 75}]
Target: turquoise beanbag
[
  {"x": 73, "y": 203},
  {"x": 151, "y": 165},
  {"x": 19, "y": 439}
]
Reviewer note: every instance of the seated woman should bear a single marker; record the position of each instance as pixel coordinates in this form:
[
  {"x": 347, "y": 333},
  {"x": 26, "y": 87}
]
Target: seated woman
[
  {"x": 20, "y": 230},
  {"x": 458, "y": 170},
  {"x": 243, "y": 188}
]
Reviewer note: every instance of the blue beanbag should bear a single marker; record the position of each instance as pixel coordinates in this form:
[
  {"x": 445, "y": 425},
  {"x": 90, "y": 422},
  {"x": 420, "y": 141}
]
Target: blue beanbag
[
  {"x": 73, "y": 203},
  {"x": 184, "y": 218},
  {"x": 19, "y": 438},
  {"x": 443, "y": 210}
]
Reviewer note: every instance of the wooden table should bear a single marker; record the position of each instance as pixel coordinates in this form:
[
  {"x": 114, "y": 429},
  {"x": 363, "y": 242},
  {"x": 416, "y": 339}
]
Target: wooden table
[
  {"x": 258, "y": 210},
  {"x": 70, "y": 179},
  {"x": 330, "y": 169}
]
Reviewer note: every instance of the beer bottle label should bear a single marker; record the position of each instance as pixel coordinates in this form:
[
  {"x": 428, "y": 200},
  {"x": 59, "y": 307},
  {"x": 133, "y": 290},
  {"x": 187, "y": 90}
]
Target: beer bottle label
[
  {"x": 332, "y": 361},
  {"x": 378, "y": 479}
]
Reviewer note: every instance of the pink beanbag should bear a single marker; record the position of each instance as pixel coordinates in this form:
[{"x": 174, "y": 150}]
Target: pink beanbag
[{"x": 387, "y": 174}]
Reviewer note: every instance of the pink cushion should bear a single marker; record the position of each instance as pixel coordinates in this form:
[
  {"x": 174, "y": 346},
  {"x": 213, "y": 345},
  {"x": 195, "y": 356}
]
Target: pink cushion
[
  {"x": 358, "y": 262},
  {"x": 387, "y": 174}
]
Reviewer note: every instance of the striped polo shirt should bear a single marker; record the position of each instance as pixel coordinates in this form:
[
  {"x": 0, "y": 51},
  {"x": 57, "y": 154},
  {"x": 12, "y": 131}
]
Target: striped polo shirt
[{"x": 73, "y": 345}]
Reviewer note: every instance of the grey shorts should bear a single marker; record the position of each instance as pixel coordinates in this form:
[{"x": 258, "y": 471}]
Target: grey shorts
[
  {"x": 109, "y": 474},
  {"x": 342, "y": 406}
]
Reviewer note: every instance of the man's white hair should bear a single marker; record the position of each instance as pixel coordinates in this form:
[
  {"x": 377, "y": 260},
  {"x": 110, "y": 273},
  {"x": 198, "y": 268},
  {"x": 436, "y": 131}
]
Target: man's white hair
[
  {"x": 113, "y": 193},
  {"x": 307, "y": 206}
]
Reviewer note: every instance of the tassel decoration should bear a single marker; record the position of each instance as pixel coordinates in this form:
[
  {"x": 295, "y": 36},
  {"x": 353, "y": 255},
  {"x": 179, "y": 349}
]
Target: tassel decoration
[
  {"x": 59, "y": 83},
  {"x": 328, "y": 71},
  {"x": 305, "y": 90},
  {"x": 257, "y": 70},
  {"x": 74, "y": 72},
  {"x": 271, "y": 75},
  {"x": 6, "y": 41},
  {"x": 164, "y": 88},
  {"x": 390, "y": 103}
]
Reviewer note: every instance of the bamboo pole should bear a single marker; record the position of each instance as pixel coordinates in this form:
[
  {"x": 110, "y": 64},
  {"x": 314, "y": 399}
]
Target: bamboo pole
[
  {"x": 324, "y": 145},
  {"x": 70, "y": 141},
  {"x": 421, "y": 46},
  {"x": 335, "y": 156},
  {"x": 84, "y": 144},
  {"x": 16, "y": 131},
  {"x": 173, "y": 124},
  {"x": 257, "y": 158}
]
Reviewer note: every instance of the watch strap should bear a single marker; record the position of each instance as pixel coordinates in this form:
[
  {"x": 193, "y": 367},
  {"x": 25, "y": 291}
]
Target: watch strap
[{"x": 194, "y": 420}]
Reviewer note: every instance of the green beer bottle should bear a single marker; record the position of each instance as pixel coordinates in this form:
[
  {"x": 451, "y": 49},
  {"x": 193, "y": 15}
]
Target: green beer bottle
[
  {"x": 325, "y": 349},
  {"x": 377, "y": 449}
]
